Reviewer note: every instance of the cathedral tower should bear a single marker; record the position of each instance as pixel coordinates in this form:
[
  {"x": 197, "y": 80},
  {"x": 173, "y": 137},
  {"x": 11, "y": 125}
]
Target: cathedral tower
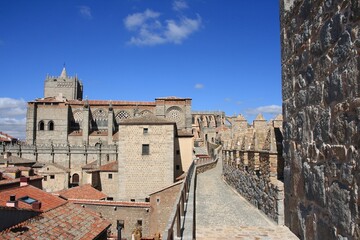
[{"x": 69, "y": 87}]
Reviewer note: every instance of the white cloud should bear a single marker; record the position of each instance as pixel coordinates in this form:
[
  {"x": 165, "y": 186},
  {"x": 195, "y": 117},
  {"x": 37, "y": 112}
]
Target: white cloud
[
  {"x": 199, "y": 86},
  {"x": 149, "y": 30},
  {"x": 176, "y": 32},
  {"x": 13, "y": 117},
  {"x": 85, "y": 12},
  {"x": 227, "y": 99},
  {"x": 179, "y": 5},
  {"x": 137, "y": 20},
  {"x": 271, "y": 109}
]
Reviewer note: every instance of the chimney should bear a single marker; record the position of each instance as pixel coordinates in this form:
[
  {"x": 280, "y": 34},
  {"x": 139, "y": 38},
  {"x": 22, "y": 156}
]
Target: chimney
[
  {"x": 12, "y": 201},
  {"x": 36, "y": 205},
  {"x": 24, "y": 181},
  {"x": 7, "y": 155}
]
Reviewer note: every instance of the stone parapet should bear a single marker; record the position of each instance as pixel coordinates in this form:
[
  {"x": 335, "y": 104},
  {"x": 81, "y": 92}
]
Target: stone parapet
[{"x": 265, "y": 194}]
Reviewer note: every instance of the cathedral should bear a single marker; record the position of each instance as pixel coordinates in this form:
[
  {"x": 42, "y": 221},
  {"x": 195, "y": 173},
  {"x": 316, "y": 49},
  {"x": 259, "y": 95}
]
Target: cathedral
[{"x": 126, "y": 149}]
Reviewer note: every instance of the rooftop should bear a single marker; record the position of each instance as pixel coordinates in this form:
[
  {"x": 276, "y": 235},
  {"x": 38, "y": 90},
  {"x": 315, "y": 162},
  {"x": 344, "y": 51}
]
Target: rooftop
[
  {"x": 15, "y": 160},
  {"x": 7, "y": 180},
  {"x": 146, "y": 119},
  {"x": 82, "y": 192},
  {"x": 47, "y": 200},
  {"x": 68, "y": 221}
]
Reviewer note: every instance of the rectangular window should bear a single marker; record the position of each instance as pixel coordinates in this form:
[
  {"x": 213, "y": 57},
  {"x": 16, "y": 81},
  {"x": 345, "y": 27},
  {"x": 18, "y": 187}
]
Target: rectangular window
[
  {"x": 45, "y": 178},
  {"x": 145, "y": 149},
  {"x": 52, "y": 176},
  {"x": 177, "y": 167},
  {"x": 139, "y": 222},
  {"x": 110, "y": 175},
  {"x": 177, "y": 152},
  {"x": 145, "y": 130}
]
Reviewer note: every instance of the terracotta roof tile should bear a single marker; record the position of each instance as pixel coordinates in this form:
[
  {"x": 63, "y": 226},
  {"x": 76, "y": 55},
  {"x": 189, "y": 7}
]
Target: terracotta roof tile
[
  {"x": 110, "y": 167},
  {"x": 82, "y": 192},
  {"x": 48, "y": 201},
  {"x": 110, "y": 203},
  {"x": 91, "y": 165},
  {"x": 6, "y": 137},
  {"x": 15, "y": 160},
  {"x": 146, "y": 119},
  {"x": 68, "y": 221},
  {"x": 113, "y": 103},
  {"x": 6, "y": 180}
]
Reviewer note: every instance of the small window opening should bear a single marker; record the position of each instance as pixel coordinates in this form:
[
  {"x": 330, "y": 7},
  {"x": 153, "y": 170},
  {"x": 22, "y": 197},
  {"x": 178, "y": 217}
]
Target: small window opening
[
  {"x": 41, "y": 126},
  {"x": 145, "y": 149},
  {"x": 52, "y": 176},
  {"x": 51, "y": 126}
]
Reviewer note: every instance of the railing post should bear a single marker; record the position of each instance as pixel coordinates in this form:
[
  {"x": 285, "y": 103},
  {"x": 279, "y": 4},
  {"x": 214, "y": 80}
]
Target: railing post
[{"x": 178, "y": 222}]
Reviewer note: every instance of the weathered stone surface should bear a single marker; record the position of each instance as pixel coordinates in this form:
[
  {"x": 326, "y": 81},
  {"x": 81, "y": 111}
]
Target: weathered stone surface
[{"x": 322, "y": 118}]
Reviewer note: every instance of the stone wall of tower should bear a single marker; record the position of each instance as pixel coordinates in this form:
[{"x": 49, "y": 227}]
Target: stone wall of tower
[
  {"x": 177, "y": 110},
  {"x": 47, "y": 122},
  {"x": 31, "y": 120},
  {"x": 321, "y": 109},
  {"x": 68, "y": 87}
]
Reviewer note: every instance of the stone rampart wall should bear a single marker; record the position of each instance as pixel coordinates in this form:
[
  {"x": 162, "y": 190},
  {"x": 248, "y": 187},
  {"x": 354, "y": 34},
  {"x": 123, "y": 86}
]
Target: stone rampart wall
[
  {"x": 321, "y": 109},
  {"x": 265, "y": 194}
]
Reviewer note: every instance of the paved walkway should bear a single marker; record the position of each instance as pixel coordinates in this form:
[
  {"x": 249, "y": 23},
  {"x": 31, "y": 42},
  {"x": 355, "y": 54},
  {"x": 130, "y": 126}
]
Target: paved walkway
[{"x": 221, "y": 213}]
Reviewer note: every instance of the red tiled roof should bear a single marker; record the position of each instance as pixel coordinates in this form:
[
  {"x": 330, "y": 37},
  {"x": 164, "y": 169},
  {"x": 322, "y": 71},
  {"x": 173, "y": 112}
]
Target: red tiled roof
[
  {"x": 110, "y": 203},
  {"x": 91, "y": 165},
  {"x": 82, "y": 192},
  {"x": 6, "y": 180},
  {"x": 48, "y": 201},
  {"x": 15, "y": 160},
  {"x": 114, "y": 103},
  {"x": 68, "y": 221},
  {"x": 110, "y": 167},
  {"x": 6, "y": 137},
  {"x": 10, "y": 169}
]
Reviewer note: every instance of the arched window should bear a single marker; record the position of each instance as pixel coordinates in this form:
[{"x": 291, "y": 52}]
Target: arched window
[
  {"x": 75, "y": 178},
  {"x": 41, "y": 125},
  {"x": 51, "y": 126}
]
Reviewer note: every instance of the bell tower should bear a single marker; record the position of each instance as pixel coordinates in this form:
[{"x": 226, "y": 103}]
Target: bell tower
[{"x": 69, "y": 87}]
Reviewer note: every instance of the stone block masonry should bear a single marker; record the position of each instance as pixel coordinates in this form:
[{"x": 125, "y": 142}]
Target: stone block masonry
[
  {"x": 321, "y": 108},
  {"x": 264, "y": 193}
]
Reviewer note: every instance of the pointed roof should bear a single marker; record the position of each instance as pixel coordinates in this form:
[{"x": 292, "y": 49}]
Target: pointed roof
[
  {"x": 241, "y": 118},
  {"x": 260, "y": 117},
  {"x": 279, "y": 117},
  {"x": 63, "y": 73}
]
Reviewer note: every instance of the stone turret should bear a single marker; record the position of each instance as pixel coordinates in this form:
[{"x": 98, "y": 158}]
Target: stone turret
[{"x": 70, "y": 88}]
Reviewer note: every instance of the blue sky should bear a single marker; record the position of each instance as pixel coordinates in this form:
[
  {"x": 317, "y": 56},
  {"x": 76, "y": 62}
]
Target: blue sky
[{"x": 224, "y": 54}]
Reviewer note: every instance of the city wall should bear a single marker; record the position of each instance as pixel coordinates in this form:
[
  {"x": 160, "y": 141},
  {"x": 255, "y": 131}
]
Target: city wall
[
  {"x": 260, "y": 187},
  {"x": 321, "y": 108}
]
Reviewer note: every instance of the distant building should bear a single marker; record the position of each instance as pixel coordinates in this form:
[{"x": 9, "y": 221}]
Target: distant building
[
  {"x": 7, "y": 139},
  {"x": 101, "y": 142}
]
